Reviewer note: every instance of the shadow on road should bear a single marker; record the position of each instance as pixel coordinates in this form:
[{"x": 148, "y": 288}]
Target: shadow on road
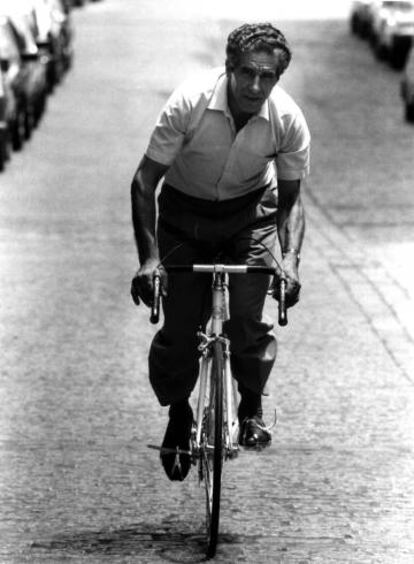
[
  {"x": 143, "y": 541},
  {"x": 140, "y": 540}
]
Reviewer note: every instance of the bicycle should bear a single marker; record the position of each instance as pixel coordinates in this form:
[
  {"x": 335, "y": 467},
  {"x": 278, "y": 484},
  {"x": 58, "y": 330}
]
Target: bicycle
[{"x": 214, "y": 437}]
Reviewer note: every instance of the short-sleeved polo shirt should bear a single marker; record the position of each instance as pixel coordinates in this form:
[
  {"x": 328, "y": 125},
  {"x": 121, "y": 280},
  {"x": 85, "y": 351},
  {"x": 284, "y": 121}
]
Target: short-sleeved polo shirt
[{"x": 195, "y": 136}]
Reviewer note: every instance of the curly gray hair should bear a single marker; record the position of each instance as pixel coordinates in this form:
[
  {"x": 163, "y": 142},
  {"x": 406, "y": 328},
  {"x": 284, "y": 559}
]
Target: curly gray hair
[{"x": 257, "y": 37}]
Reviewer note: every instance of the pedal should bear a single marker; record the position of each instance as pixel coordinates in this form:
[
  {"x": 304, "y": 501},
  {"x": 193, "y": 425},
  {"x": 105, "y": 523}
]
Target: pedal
[
  {"x": 274, "y": 421},
  {"x": 164, "y": 450}
]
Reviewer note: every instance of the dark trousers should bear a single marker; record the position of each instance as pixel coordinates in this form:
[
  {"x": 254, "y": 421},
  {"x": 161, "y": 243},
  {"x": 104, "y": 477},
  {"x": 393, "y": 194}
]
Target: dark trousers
[{"x": 191, "y": 230}]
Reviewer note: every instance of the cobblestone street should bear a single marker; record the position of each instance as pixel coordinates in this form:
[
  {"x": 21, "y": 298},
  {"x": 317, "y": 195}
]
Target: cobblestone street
[{"x": 77, "y": 481}]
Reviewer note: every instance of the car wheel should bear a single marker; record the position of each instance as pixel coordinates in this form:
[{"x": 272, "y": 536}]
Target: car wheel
[
  {"x": 29, "y": 121},
  {"x": 18, "y": 131},
  {"x": 364, "y": 30},
  {"x": 40, "y": 107},
  {"x": 409, "y": 112},
  {"x": 69, "y": 61},
  {"x": 355, "y": 27},
  {"x": 59, "y": 70},
  {"x": 50, "y": 80},
  {"x": 398, "y": 57},
  {"x": 380, "y": 51},
  {"x": 3, "y": 151}
]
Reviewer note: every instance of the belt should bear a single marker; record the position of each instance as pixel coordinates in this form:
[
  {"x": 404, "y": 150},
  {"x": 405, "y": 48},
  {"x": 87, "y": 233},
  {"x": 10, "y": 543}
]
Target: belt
[{"x": 171, "y": 197}]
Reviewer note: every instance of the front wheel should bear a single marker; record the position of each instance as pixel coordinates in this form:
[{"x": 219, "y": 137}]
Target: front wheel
[{"x": 213, "y": 451}]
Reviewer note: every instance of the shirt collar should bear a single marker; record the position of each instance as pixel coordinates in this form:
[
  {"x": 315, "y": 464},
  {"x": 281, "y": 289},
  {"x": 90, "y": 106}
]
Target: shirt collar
[{"x": 218, "y": 100}]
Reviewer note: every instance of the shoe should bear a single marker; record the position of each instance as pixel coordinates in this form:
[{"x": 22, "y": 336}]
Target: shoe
[
  {"x": 254, "y": 433},
  {"x": 175, "y": 450}
]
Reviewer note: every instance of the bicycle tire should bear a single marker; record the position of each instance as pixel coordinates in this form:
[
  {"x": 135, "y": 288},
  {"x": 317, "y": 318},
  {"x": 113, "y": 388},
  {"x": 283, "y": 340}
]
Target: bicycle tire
[{"x": 212, "y": 458}]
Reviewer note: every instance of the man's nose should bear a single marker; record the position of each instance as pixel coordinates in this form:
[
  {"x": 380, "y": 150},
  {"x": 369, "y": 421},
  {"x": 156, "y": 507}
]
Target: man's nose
[{"x": 255, "y": 84}]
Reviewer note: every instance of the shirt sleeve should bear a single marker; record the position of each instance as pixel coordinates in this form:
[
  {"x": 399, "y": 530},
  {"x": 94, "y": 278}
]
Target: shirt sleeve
[
  {"x": 293, "y": 158},
  {"x": 168, "y": 135}
]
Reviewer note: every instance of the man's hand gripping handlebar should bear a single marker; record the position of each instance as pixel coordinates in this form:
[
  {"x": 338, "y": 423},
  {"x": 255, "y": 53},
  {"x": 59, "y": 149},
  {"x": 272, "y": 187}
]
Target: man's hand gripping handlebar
[
  {"x": 155, "y": 306},
  {"x": 282, "y": 309},
  {"x": 279, "y": 294}
]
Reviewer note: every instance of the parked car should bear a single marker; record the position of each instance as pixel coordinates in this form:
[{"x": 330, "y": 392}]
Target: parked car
[
  {"x": 4, "y": 126},
  {"x": 407, "y": 88},
  {"x": 8, "y": 111},
  {"x": 4, "y": 132},
  {"x": 393, "y": 30},
  {"x": 53, "y": 29},
  {"x": 26, "y": 75},
  {"x": 360, "y": 18},
  {"x": 78, "y": 3},
  {"x": 11, "y": 82},
  {"x": 51, "y": 25}
]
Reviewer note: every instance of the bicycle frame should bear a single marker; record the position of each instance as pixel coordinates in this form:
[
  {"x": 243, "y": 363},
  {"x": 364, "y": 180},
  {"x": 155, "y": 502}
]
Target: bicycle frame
[
  {"x": 215, "y": 334},
  {"x": 218, "y": 315}
]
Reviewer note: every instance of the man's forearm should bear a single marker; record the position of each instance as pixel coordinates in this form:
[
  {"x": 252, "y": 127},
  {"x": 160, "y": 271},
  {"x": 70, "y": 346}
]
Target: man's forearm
[
  {"x": 290, "y": 215},
  {"x": 144, "y": 220},
  {"x": 291, "y": 225}
]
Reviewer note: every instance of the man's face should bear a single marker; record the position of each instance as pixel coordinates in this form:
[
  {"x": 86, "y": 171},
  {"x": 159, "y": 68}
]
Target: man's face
[{"x": 252, "y": 80}]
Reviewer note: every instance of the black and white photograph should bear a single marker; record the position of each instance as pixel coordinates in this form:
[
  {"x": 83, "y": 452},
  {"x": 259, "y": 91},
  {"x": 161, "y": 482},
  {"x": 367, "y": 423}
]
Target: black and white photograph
[{"x": 207, "y": 281}]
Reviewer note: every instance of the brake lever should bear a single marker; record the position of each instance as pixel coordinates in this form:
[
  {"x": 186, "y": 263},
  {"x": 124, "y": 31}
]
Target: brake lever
[{"x": 155, "y": 307}]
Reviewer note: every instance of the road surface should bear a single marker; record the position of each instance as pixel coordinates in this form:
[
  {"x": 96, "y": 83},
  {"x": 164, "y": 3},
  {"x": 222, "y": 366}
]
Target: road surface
[{"x": 77, "y": 482}]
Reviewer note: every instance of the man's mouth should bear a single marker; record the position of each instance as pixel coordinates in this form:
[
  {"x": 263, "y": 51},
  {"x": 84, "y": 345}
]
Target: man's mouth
[{"x": 253, "y": 99}]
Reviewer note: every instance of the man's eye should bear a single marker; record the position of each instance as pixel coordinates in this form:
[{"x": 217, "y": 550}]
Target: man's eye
[{"x": 250, "y": 73}]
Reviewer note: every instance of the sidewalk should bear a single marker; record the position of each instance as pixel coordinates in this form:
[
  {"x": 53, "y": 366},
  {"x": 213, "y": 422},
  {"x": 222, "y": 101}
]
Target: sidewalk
[{"x": 382, "y": 291}]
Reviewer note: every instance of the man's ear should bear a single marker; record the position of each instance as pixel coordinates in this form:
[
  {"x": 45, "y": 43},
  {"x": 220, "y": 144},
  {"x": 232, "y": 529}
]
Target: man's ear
[{"x": 229, "y": 67}]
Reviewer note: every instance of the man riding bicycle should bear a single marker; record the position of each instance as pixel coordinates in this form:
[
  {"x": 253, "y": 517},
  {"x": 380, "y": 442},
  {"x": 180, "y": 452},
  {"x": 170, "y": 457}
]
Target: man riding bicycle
[{"x": 233, "y": 148}]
